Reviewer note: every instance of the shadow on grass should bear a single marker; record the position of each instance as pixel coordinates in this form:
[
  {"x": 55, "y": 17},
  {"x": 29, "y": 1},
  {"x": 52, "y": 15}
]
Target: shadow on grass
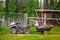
[{"x": 54, "y": 33}]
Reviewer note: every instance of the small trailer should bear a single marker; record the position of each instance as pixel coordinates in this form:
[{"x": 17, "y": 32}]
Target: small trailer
[{"x": 46, "y": 19}]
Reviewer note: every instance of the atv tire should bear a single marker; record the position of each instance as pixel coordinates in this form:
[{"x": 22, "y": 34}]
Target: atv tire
[
  {"x": 26, "y": 31},
  {"x": 13, "y": 30}
]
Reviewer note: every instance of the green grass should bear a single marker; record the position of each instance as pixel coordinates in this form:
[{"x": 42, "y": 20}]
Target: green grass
[
  {"x": 4, "y": 30},
  {"x": 32, "y": 37},
  {"x": 53, "y": 34}
]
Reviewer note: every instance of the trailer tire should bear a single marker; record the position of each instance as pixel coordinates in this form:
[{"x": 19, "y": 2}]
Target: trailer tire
[
  {"x": 42, "y": 32},
  {"x": 45, "y": 32}
]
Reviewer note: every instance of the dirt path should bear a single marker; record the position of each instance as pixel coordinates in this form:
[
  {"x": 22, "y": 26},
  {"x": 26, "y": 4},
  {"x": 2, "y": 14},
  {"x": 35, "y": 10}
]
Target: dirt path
[{"x": 19, "y": 34}]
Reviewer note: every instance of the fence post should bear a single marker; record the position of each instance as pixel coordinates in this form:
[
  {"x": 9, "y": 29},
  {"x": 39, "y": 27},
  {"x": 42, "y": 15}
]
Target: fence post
[
  {"x": 25, "y": 19},
  {"x": 8, "y": 20},
  {"x": 3, "y": 20}
]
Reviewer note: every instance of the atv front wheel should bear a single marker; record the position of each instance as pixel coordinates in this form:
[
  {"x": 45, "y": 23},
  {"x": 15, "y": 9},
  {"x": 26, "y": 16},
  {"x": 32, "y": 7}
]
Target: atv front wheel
[{"x": 13, "y": 30}]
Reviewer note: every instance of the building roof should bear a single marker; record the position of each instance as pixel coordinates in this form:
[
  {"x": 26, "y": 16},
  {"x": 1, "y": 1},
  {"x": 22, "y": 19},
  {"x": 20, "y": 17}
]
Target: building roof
[{"x": 40, "y": 10}]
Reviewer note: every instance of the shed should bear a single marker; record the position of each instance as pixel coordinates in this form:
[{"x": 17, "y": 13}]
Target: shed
[{"x": 49, "y": 17}]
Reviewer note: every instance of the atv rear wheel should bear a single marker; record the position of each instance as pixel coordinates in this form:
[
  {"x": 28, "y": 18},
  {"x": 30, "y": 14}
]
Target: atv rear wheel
[{"x": 26, "y": 31}]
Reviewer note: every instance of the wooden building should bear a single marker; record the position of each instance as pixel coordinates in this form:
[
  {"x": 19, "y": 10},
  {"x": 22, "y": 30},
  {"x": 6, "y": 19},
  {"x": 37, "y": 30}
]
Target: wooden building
[{"x": 49, "y": 17}]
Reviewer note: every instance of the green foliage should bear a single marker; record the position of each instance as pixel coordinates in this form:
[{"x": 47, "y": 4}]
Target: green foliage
[
  {"x": 2, "y": 9},
  {"x": 11, "y": 7},
  {"x": 4, "y": 30},
  {"x": 29, "y": 6},
  {"x": 56, "y": 5}
]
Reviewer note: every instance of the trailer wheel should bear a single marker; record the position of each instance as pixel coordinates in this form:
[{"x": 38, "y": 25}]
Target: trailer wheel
[
  {"x": 42, "y": 32},
  {"x": 26, "y": 31},
  {"x": 45, "y": 32},
  {"x": 13, "y": 30}
]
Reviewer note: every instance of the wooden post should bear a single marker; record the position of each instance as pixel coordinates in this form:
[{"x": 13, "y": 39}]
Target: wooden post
[
  {"x": 44, "y": 18},
  {"x": 3, "y": 20},
  {"x": 8, "y": 20},
  {"x": 25, "y": 19},
  {"x": 36, "y": 14}
]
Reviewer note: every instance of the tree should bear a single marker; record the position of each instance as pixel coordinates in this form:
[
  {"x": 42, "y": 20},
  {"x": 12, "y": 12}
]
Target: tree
[
  {"x": 11, "y": 7},
  {"x": 2, "y": 9},
  {"x": 30, "y": 6},
  {"x": 56, "y": 5},
  {"x": 19, "y": 5}
]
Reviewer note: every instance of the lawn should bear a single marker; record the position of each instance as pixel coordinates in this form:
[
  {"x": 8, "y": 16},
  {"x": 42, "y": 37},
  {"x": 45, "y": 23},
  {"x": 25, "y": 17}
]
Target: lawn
[{"x": 54, "y": 34}]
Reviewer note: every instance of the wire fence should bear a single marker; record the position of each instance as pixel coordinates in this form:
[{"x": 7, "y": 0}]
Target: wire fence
[{"x": 7, "y": 18}]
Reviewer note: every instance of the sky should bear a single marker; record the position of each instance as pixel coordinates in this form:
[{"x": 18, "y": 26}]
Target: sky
[
  {"x": 40, "y": 0},
  {"x": 2, "y": 0}
]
